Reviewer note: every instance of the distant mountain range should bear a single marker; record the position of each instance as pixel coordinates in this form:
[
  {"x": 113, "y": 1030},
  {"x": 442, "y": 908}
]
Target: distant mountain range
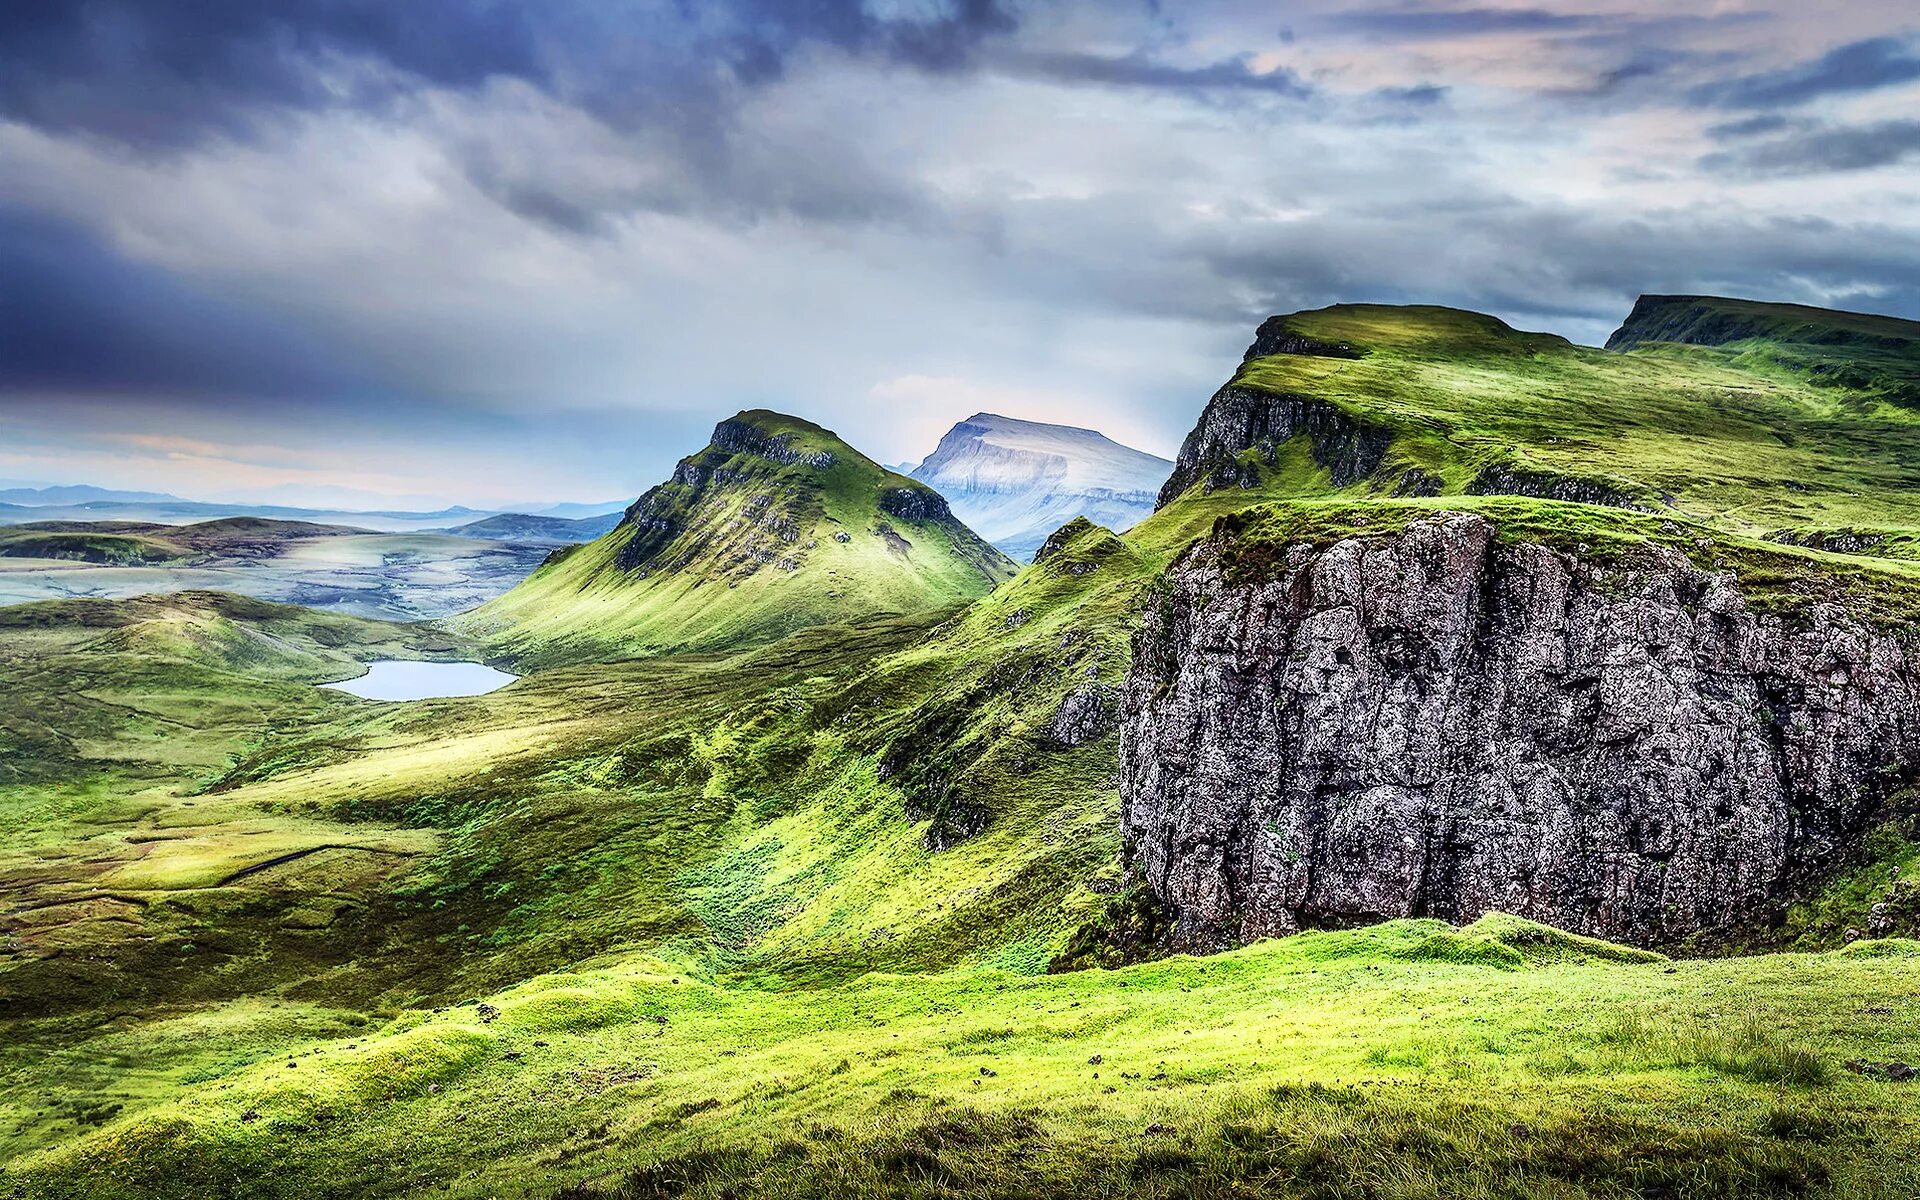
[
  {"x": 1015, "y": 481},
  {"x": 80, "y": 493},
  {"x": 569, "y": 522}
]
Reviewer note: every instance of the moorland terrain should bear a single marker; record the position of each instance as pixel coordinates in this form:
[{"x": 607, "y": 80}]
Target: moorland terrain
[{"x": 1555, "y": 704}]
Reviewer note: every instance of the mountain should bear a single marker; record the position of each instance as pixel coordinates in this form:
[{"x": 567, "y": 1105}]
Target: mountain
[
  {"x": 523, "y": 527},
  {"x": 777, "y": 525},
  {"x": 79, "y": 493},
  {"x": 179, "y": 512},
  {"x": 1017, "y": 481},
  {"x": 574, "y": 511}
]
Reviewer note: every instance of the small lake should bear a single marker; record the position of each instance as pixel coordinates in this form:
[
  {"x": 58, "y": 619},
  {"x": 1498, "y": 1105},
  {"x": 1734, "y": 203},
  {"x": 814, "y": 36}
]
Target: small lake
[{"x": 392, "y": 679}]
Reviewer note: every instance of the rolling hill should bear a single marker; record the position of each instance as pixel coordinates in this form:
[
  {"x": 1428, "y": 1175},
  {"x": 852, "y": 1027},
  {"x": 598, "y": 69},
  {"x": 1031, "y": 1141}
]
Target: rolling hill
[{"x": 523, "y": 527}]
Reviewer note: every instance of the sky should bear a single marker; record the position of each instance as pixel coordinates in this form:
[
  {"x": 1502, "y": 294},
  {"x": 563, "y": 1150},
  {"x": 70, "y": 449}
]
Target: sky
[{"x": 511, "y": 252}]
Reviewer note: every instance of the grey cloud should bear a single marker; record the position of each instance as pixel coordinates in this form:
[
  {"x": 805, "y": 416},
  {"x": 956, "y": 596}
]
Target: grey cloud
[
  {"x": 1569, "y": 269},
  {"x": 1139, "y": 70},
  {"x": 1424, "y": 22},
  {"x": 162, "y": 74},
  {"x": 1856, "y": 67},
  {"x": 1754, "y": 126},
  {"x": 83, "y": 320},
  {"x": 1419, "y": 95},
  {"x": 1821, "y": 149}
]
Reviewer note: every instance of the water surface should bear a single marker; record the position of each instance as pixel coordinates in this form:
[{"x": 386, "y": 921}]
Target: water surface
[{"x": 393, "y": 679}]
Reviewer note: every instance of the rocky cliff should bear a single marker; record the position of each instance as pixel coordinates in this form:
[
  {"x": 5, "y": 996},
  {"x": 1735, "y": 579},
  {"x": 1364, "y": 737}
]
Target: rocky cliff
[
  {"x": 1242, "y": 431},
  {"x": 1439, "y": 721}
]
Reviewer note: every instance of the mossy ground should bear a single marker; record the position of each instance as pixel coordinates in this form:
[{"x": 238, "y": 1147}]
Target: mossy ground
[{"x": 1355, "y": 1063}]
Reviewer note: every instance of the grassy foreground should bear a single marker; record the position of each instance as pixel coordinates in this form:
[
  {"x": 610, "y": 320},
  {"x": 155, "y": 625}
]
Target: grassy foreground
[
  {"x": 1405, "y": 1060},
  {"x": 671, "y": 927}
]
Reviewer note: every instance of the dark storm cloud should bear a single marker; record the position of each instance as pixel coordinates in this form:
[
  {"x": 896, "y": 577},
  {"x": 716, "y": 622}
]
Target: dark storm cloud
[
  {"x": 80, "y": 319},
  {"x": 1855, "y": 67},
  {"x": 167, "y": 73},
  {"x": 1819, "y": 149},
  {"x": 766, "y": 31},
  {"x": 159, "y": 73}
]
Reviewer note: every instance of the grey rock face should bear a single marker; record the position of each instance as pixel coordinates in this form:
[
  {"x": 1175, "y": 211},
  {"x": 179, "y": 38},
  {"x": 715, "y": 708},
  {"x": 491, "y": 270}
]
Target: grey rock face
[
  {"x": 1275, "y": 336},
  {"x": 1503, "y": 480},
  {"x": 1085, "y": 713},
  {"x": 1240, "y": 419},
  {"x": 1839, "y": 541},
  {"x": 1431, "y": 722},
  {"x": 742, "y": 437},
  {"x": 915, "y": 504}
]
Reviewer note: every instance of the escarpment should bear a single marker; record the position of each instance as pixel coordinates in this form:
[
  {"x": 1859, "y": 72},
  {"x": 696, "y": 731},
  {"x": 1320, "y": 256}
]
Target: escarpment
[
  {"x": 1437, "y": 721},
  {"x": 1242, "y": 431}
]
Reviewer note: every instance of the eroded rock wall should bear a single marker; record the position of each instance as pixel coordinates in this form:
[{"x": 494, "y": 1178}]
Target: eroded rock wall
[{"x": 1433, "y": 722}]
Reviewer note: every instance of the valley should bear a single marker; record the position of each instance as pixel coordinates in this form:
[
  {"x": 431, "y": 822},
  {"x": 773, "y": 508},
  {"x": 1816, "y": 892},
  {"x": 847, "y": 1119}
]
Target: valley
[
  {"x": 386, "y": 575},
  {"x": 1485, "y": 770}
]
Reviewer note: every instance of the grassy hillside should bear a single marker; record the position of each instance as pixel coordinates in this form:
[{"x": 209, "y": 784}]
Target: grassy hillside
[
  {"x": 1405, "y": 1061},
  {"x": 689, "y": 925},
  {"x": 108, "y": 542},
  {"x": 776, "y": 526},
  {"x": 1728, "y": 435}
]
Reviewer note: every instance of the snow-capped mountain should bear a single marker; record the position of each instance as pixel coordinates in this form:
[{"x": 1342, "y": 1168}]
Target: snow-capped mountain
[{"x": 1014, "y": 482}]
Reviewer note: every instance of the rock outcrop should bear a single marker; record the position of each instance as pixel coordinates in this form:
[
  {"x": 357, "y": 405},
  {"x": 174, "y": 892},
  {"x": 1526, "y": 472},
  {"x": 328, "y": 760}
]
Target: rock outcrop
[
  {"x": 742, "y": 435},
  {"x": 1276, "y": 336},
  {"x": 1438, "y": 722},
  {"x": 1504, "y": 479},
  {"x": 1243, "y": 429}
]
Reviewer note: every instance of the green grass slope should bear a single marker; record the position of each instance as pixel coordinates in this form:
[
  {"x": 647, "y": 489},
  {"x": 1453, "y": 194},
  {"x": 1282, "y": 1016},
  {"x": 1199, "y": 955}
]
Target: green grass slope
[
  {"x": 1384, "y": 1062},
  {"x": 112, "y": 543},
  {"x": 775, "y": 526},
  {"x": 1742, "y": 435}
]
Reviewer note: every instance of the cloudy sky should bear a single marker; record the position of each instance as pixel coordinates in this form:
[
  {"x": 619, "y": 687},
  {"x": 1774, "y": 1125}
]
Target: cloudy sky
[{"x": 497, "y": 251}]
